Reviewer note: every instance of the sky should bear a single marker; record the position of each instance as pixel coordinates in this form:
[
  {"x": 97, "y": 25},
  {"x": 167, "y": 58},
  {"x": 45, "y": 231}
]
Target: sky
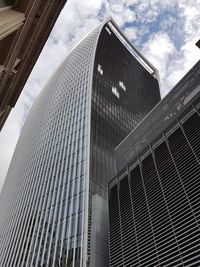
[{"x": 165, "y": 31}]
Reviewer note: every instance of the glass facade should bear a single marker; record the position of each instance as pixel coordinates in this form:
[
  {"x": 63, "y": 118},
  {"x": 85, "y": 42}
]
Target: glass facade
[
  {"x": 44, "y": 223},
  {"x": 154, "y": 201},
  {"x": 123, "y": 92},
  {"x": 65, "y": 152}
]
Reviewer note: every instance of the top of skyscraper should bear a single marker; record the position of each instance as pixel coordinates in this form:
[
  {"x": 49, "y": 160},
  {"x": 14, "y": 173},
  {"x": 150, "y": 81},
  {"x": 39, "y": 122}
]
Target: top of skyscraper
[{"x": 130, "y": 47}]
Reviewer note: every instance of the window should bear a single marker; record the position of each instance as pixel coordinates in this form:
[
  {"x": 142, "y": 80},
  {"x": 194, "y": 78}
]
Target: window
[
  {"x": 121, "y": 84},
  {"x": 115, "y": 92},
  {"x": 100, "y": 69}
]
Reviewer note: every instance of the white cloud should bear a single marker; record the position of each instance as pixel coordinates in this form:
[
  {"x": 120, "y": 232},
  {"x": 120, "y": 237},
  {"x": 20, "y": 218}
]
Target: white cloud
[
  {"x": 160, "y": 51},
  {"x": 131, "y": 33},
  {"x": 129, "y": 15},
  {"x": 184, "y": 60},
  {"x": 174, "y": 52},
  {"x": 8, "y": 139},
  {"x": 181, "y": 26}
]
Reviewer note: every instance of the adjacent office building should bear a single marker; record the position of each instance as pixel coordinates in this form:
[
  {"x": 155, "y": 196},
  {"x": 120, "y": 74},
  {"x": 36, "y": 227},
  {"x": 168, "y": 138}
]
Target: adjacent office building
[
  {"x": 56, "y": 185},
  {"x": 154, "y": 201},
  {"x": 24, "y": 28}
]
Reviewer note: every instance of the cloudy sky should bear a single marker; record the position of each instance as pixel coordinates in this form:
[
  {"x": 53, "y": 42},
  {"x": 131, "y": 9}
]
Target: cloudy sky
[{"x": 165, "y": 31}]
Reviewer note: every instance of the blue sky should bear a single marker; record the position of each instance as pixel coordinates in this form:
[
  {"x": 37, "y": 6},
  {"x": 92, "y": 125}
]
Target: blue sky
[{"x": 165, "y": 31}]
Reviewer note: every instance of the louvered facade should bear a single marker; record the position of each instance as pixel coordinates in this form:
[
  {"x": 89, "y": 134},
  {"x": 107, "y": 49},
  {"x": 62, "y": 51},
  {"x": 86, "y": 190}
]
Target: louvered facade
[
  {"x": 65, "y": 152},
  {"x": 154, "y": 201}
]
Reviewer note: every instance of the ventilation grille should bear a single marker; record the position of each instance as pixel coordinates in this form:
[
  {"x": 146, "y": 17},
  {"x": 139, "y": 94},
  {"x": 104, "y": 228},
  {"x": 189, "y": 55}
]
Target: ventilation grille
[{"x": 154, "y": 211}]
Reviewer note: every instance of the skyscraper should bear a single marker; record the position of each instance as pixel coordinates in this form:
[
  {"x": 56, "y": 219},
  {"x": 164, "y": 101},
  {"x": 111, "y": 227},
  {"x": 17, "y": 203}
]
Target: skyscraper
[
  {"x": 64, "y": 155},
  {"x": 154, "y": 211}
]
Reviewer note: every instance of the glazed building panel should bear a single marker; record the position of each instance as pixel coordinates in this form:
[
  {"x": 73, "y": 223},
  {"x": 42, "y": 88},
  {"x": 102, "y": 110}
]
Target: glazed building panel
[
  {"x": 123, "y": 92},
  {"x": 65, "y": 151},
  {"x": 48, "y": 203},
  {"x": 154, "y": 200}
]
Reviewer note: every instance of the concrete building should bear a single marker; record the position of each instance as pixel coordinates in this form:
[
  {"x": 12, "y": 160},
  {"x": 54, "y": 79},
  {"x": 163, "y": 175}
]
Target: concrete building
[
  {"x": 154, "y": 201},
  {"x": 53, "y": 200},
  {"x": 24, "y": 28}
]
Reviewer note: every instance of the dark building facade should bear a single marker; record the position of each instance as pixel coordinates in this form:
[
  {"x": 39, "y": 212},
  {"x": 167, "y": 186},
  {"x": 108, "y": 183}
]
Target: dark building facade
[
  {"x": 154, "y": 201},
  {"x": 198, "y": 43},
  {"x": 64, "y": 155}
]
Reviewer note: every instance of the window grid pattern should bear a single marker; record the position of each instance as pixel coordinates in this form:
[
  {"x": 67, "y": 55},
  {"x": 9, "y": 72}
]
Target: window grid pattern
[
  {"x": 158, "y": 197},
  {"x": 110, "y": 112},
  {"x": 44, "y": 225}
]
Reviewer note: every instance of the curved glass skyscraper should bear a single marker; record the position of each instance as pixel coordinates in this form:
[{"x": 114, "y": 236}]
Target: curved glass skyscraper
[{"x": 64, "y": 155}]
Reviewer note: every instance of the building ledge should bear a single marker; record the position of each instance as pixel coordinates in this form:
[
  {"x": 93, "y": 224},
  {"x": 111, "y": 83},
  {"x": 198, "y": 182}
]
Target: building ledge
[
  {"x": 10, "y": 21},
  {"x": 1, "y": 68}
]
